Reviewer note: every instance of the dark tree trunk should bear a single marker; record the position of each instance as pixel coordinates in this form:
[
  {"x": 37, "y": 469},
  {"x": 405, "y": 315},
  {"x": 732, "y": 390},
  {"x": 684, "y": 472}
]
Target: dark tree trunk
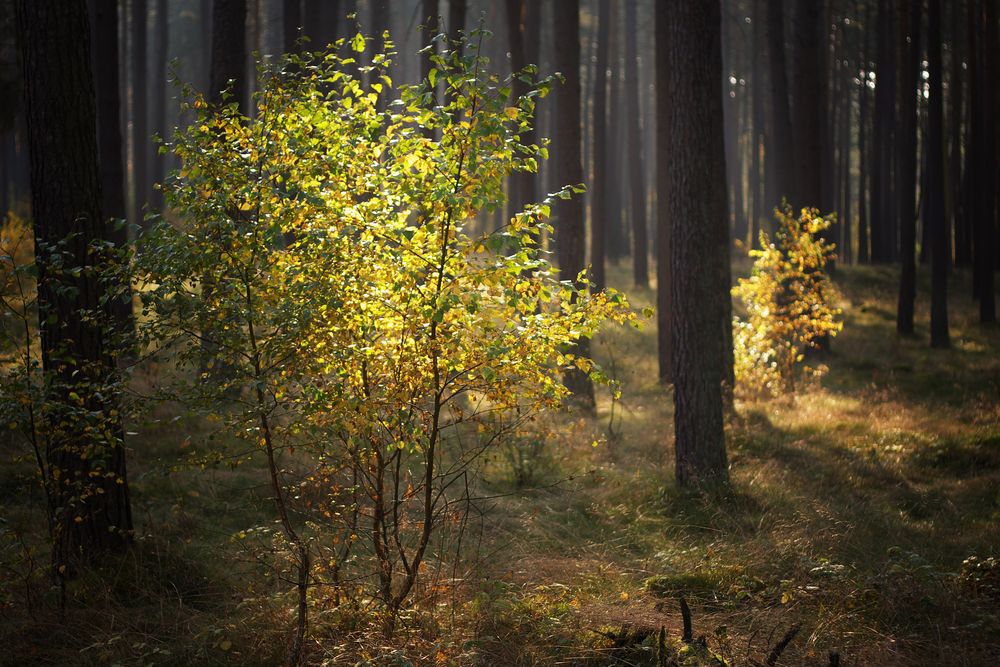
[
  {"x": 320, "y": 19},
  {"x": 664, "y": 312},
  {"x": 140, "y": 111},
  {"x": 883, "y": 239},
  {"x": 523, "y": 32},
  {"x": 934, "y": 183},
  {"x": 457, "y": 10},
  {"x": 428, "y": 28},
  {"x": 569, "y": 223},
  {"x": 983, "y": 142},
  {"x": 229, "y": 49},
  {"x": 695, "y": 193},
  {"x": 864, "y": 200},
  {"x": 808, "y": 81},
  {"x": 906, "y": 163},
  {"x": 780, "y": 135},
  {"x": 158, "y": 102},
  {"x": 104, "y": 27},
  {"x": 760, "y": 206},
  {"x": 636, "y": 163},
  {"x": 292, "y": 25},
  {"x": 956, "y": 92},
  {"x": 85, "y": 473},
  {"x": 599, "y": 192},
  {"x": 619, "y": 222}
]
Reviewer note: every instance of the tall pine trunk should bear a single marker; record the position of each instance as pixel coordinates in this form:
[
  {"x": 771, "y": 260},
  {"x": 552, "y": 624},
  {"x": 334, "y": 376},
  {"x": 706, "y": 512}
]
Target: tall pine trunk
[
  {"x": 140, "y": 111},
  {"x": 906, "y": 164},
  {"x": 694, "y": 177},
  {"x": 570, "y": 232},
  {"x": 934, "y": 183},
  {"x": 104, "y": 29},
  {"x": 781, "y": 177},
  {"x": 635, "y": 163},
  {"x": 599, "y": 192},
  {"x": 85, "y": 455}
]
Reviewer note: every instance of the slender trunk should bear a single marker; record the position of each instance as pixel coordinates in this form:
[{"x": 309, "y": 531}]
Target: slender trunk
[
  {"x": 599, "y": 193},
  {"x": 140, "y": 112},
  {"x": 292, "y": 25},
  {"x": 636, "y": 163},
  {"x": 780, "y": 140},
  {"x": 906, "y": 164},
  {"x": 934, "y": 184},
  {"x": 808, "y": 80},
  {"x": 158, "y": 101},
  {"x": 570, "y": 228},
  {"x": 864, "y": 158},
  {"x": 320, "y": 18},
  {"x": 882, "y": 220},
  {"x": 956, "y": 92}
]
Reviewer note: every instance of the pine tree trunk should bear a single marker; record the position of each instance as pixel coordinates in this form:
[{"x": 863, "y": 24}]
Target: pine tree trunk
[
  {"x": 229, "y": 52},
  {"x": 883, "y": 219},
  {"x": 956, "y": 93},
  {"x": 140, "y": 111},
  {"x": 807, "y": 84},
  {"x": 158, "y": 102},
  {"x": 523, "y": 37},
  {"x": 85, "y": 472},
  {"x": 320, "y": 19},
  {"x": 934, "y": 183},
  {"x": 292, "y": 25},
  {"x": 599, "y": 191},
  {"x": 569, "y": 224},
  {"x": 780, "y": 137},
  {"x": 983, "y": 143},
  {"x": 695, "y": 194},
  {"x": 906, "y": 164},
  {"x": 635, "y": 163},
  {"x": 864, "y": 157}
]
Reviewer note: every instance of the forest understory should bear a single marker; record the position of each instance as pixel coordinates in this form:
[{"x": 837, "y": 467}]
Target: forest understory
[{"x": 862, "y": 510}]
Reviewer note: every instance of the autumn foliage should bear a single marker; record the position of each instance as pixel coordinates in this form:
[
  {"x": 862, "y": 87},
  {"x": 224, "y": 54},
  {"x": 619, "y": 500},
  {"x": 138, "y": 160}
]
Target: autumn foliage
[{"x": 789, "y": 303}]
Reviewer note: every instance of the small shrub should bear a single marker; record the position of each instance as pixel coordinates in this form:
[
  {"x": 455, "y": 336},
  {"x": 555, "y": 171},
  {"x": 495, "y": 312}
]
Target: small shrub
[{"x": 789, "y": 302}]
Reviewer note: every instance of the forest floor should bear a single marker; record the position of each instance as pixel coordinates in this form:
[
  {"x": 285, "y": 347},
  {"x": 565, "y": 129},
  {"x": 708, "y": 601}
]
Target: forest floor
[{"x": 852, "y": 510}]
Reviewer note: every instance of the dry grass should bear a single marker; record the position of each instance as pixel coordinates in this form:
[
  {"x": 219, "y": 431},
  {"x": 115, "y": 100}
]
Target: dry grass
[{"x": 851, "y": 509}]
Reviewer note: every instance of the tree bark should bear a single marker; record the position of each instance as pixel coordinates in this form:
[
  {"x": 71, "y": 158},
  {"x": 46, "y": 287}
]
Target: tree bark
[
  {"x": 934, "y": 184},
  {"x": 85, "y": 455},
  {"x": 636, "y": 162},
  {"x": 140, "y": 111},
  {"x": 320, "y": 19},
  {"x": 956, "y": 93},
  {"x": 864, "y": 200},
  {"x": 695, "y": 193},
  {"x": 104, "y": 27},
  {"x": 523, "y": 32},
  {"x": 664, "y": 312},
  {"x": 569, "y": 225},
  {"x": 599, "y": 191},
  {"x": 780, "y": 137},
  {"x": 229, "y": 49},
  {"x": 808, "y": 81},
  {"x": 906, "y": 164},
  {"x": 158, "y": 102},
  {"x": 292, "y": 25},
  {"x": 883, "y": 239},
  {"x": 983, "y": 144}
]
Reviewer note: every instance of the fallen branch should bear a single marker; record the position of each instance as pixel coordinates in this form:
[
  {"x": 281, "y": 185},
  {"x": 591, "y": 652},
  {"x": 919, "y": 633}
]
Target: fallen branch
[{"x": 772, "y": 658}]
